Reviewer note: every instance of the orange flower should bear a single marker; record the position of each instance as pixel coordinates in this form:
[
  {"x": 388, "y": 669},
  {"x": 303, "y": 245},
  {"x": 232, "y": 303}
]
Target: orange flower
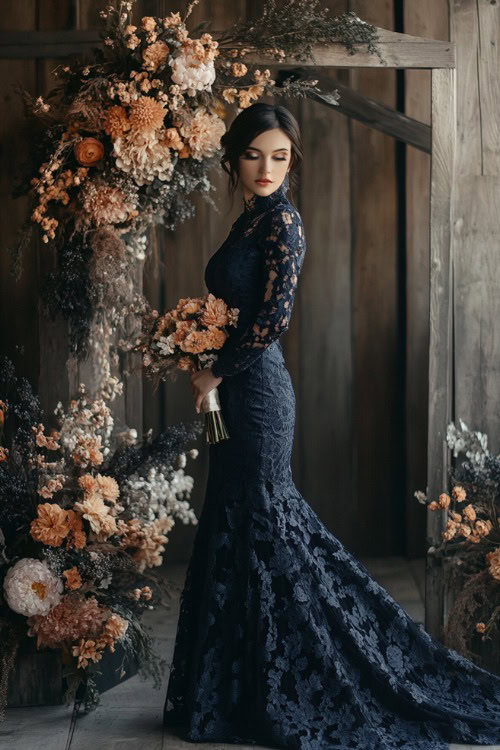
[
  {"x": 444, "y": 500},
  {"x": 3, "y": 451},
  {"x": 493, "y": 559},
  {"x": 76, "y": 537},
  {"x": 480, "y": 627},
  {"x": 185, "y": 363},
  {"x": 108, "y": 487},
  {"x": 215, "y": 312},
  {"x": 116, "y": 626},
  {"x": 215, "y": 337},
  {"x": 173, "y": 139},
  {"x": 86, "y": 651},
  {"x": 116, "y": 122},
  {"x": 195, "y": 342},
  {"x": 469, "y": 513},
  {"x": 154, "y": 55},
  {"x": 88, "y": 151},
  {"x": 183, "y": 327},
  {"x": 146, "y": 115},
  {"x": 72, "y": 576},
  {"x": 459, "y": 493},
  {"x": 188, "y": 306},
  {"x": 238, "y": 69},
  {"x": 51, "y": 526}
]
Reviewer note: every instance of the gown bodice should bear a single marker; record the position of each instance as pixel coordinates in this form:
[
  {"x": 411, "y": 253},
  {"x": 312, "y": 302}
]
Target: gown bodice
[{"x": 256, "y": 269}]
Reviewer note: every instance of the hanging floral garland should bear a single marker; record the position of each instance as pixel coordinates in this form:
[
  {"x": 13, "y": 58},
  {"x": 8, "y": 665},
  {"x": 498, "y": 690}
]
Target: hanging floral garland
[
  {"x": 132, "y": 133},
  {"x": 84, "y": 518}
]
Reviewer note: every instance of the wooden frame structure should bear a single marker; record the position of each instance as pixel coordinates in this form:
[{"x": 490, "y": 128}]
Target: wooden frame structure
[{"x": 397, "y": 51}]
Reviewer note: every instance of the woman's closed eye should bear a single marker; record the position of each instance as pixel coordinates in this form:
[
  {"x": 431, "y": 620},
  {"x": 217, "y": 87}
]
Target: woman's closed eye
[{"x": 252, "y": 157}]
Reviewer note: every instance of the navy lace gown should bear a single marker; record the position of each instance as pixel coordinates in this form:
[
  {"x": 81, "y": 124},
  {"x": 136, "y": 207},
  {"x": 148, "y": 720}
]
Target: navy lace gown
[{"x": 284, "y": 639}]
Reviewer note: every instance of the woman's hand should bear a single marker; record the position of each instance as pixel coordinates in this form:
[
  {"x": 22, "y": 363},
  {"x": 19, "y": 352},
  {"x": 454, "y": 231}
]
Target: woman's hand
[{"x": 202, "y": 382}]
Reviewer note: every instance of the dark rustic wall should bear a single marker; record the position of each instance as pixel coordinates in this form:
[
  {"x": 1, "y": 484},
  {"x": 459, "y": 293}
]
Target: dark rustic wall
[{"x": 357, "y": 345}]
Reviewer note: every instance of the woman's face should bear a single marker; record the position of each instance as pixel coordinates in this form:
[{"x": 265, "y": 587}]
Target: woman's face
[{"x": 266, "y": 158}]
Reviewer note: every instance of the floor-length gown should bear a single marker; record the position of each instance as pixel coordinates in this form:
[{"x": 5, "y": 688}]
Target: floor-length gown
[{"x": 284, "y": 639}]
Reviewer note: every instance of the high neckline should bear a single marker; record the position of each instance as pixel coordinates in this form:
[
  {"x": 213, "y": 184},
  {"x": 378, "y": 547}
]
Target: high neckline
[{"x": 258, "y": 203}]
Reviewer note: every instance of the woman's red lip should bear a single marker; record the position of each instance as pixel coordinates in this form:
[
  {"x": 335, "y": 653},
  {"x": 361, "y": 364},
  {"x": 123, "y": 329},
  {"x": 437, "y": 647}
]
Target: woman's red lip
[{"x": 262, "y": 180}]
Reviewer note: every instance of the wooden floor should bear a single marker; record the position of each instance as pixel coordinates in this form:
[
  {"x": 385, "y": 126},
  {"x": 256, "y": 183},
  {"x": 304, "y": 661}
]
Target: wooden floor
[{"x": 130, "y": 715}]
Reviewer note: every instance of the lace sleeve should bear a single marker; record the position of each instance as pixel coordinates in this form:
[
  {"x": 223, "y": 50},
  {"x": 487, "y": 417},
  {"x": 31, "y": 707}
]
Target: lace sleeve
[{"x": 283, "y": 249}]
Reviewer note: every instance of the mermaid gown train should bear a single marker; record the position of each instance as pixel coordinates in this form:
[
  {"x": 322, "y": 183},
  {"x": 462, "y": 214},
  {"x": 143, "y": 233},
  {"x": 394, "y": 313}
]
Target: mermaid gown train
[{"x": 283, "y": 638}]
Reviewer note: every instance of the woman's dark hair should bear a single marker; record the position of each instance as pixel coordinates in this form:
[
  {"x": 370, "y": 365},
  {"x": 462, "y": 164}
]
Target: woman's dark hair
[{"x": 250, "y": 123}]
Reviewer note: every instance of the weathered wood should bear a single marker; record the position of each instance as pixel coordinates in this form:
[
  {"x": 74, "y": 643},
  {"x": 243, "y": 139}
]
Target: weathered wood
[
  {"x": 488, "y": 83},
  {"x": 16, "y": 45},
  {"x": 397, "y": 50},
  {"x": 376, "y": 115},
  {"x": 441, "y": 340},
  {"x": 428, "y": 18},
  {"x": 477, "y": 305},
  {"x": 324, "y": 319},
  {"x": 377, "y": 336}
]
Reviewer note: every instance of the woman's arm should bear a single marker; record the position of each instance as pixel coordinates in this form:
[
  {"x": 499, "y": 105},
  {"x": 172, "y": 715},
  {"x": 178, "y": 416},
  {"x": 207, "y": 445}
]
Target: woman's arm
[{"x": 283, "y": 251}]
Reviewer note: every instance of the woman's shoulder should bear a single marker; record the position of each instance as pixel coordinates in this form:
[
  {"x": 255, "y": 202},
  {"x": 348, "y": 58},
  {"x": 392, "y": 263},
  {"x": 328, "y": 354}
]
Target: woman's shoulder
[{"x": 285, "y": 213}]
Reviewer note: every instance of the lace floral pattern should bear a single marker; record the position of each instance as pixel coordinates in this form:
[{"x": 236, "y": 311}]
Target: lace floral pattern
[{"x": 284, "y": 639}]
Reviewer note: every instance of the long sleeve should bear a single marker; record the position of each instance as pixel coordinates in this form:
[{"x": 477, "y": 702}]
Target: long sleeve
[{"x": 283, "y": 248}]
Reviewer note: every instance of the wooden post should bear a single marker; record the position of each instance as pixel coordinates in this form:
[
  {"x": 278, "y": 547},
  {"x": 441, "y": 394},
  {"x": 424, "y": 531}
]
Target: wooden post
[{"x": 441, "y": 312}]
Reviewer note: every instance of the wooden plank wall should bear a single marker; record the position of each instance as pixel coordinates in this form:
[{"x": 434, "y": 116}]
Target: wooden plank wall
[
  {"x": 475, "y": 27},
  {"x": 345, "y": 347},
  {"x": 428, "y": 19}
]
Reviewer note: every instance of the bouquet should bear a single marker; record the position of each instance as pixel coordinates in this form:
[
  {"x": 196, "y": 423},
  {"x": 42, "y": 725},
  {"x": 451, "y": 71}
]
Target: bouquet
[
  {"x": 187, "y": 338},
  {"x": 85, "y": 514}
]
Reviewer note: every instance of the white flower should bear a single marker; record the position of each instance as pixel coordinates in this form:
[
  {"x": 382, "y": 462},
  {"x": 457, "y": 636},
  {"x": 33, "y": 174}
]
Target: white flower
[
  {"x": 144, "y": 157},
  {"x": 165, "y": 345},
  {"x": 190, "y": 73},
  {"x": 31, "y": 588}
]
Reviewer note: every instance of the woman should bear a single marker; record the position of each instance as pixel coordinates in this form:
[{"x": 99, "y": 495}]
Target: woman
[{"x": 284, "y": 639}]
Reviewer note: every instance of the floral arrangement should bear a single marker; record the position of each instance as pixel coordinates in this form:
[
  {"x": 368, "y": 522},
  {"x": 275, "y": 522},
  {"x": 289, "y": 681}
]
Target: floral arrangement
[
  {"x": 130, "y": 133},
  {"x": 85, "y": 515},
  {"x": 187, "y": 338},
  {"x": 471, "y": 540}
]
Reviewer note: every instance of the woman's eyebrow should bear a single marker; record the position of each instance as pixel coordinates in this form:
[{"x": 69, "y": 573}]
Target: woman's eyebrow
[{"x": 253, "y": 148}]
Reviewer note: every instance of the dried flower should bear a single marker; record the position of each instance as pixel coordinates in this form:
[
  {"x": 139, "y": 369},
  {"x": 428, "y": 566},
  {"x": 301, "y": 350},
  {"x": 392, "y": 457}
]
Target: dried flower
[
  {"x": 31, "y": 588},
  {"x": 51, "y": 526},
  {"x": 73, "y": 579},
  {"x": 88, "y": 151}
]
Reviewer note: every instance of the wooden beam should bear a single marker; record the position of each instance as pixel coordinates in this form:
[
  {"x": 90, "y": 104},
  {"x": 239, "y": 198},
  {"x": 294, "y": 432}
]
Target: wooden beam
[
  {"x": 397, "y": 50},
  {"x": 39, "y": 44},
  {"x": 444, "y": 125},
  {"x": 376, "y": 115}
]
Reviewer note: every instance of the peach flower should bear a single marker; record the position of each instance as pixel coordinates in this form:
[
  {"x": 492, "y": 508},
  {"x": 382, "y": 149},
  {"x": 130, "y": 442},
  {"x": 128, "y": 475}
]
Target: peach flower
[
  {"x": 116, "y": 122},
  {"x": 154, "y": 56},
  {"x": 469, "y": 513},
  {"x": 215, "y": 337},
  {"x": 51, "y": 526},
  {"x": 195, "y": 342},
  {"x": 215, "y": 312},
  {"x": 73, "y": 579},
  {"x": 493, "y": 559},
  {"x": 185, "y": 363},
  {"x": 76, "y": 537},
  {"x": 88, "y": 151},
  {"x": 459, "y": 493},
  {"x": 188, "y": 306},
  {"x": 86, "y": 651},
  {"x": 444, "y": 500}
]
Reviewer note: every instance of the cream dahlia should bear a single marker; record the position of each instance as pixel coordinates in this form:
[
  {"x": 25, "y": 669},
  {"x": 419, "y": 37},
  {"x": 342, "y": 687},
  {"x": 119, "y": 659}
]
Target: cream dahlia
[
  {"x": 191, "y": 73},
  {"x": 31, "y": 588}
]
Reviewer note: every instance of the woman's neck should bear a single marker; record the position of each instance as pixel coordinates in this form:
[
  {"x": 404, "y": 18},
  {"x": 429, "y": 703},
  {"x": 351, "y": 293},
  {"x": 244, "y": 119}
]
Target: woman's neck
[{"x": 257, "y": 203}]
